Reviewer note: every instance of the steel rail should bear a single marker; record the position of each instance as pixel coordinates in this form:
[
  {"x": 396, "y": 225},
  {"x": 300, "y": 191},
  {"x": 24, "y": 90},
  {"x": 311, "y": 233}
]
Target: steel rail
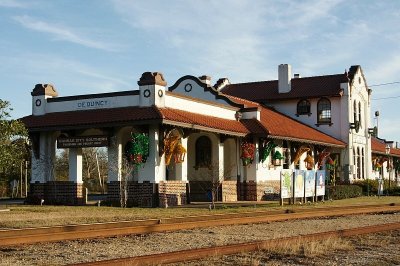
[
  {"x": 61, "y": 233},
  {"x": 201, "y": 253}
]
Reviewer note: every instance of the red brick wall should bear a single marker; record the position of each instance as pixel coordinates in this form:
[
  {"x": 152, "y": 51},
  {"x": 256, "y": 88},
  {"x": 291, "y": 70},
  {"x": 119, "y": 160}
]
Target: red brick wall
[
  {"x": 139, "y": 194},
  {"x": 199, "y": 190},
  {"x": 36, "y": 193},
  {"x": 229, "y": 191},
  {"x": 252, "y": 191},
  {"x": 58, "y": 192},
  {"x": 171, "y": 193}
]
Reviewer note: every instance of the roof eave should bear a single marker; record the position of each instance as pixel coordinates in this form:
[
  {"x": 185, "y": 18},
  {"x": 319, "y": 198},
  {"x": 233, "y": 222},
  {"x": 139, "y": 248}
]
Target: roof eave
[
  {"x": 204, "y": 128},
  {"x": 308, "y": 141}
]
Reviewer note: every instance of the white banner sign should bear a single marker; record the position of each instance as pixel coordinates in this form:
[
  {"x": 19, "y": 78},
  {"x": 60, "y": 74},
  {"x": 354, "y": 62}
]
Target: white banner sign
[{"x": 286, "y": 183}]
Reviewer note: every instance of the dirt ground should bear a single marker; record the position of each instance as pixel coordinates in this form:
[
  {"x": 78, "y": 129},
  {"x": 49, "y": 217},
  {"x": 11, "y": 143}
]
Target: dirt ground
[
  {"x": 381, "y": 249},
  {"x": 386, "y": 247}
]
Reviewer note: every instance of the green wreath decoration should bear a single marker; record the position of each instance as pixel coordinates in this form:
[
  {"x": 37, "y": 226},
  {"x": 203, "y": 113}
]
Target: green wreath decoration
[
  {"x": 396, "y": 165},
  {"x": 137, "y": 149},
  {"x": 266, "y": 150}
]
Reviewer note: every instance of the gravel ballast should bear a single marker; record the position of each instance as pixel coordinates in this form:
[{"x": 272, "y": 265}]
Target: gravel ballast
[{"x": 67, "y": 252}]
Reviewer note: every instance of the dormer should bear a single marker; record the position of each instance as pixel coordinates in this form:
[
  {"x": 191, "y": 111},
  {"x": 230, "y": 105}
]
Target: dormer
[
  {"x": 40, "y": 94},
  {"x": 152, "y": 89}
]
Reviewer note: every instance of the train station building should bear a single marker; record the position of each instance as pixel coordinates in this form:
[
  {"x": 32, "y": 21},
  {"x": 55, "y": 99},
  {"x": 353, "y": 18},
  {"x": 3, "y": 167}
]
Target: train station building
[{"x": 172, "y": 145}]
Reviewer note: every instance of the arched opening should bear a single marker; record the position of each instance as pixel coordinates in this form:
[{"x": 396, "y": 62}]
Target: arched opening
[
  {"x": 203, "y": 152},
  {"x": 303, "y": 107},
  {"x": 324, "y": 111}
]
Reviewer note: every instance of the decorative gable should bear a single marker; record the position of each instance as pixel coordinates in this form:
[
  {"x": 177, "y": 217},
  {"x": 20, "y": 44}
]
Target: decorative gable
[{"x": 200, "y": 88}]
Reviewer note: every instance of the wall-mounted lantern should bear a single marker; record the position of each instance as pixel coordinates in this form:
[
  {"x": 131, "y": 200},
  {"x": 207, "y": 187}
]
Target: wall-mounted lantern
[
  {"x": 355, "y": 125},
  {"x": 277, "y": 157}
]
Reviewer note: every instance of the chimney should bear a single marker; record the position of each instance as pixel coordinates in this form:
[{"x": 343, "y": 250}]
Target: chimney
[
  {"x": 206, "y": 79},
  {"x": 296, "y": 76},
  {"x": 221, "y": 84},
  {"x": 284, "y": 75}
]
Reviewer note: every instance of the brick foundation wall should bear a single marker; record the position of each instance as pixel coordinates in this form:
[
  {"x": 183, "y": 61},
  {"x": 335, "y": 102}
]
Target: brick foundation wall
[
  {"x": 199, "y": 191},
  {"x": 139, "y": 194},
  {"x": 36, "y": 193},
  {"x": 268, "y": 190},
  {"x": 229, "y": 191},
  {"x": 58, "y": 193},
  {"x": 172, "y": 193},
  {"x": 257, "y": 191}
]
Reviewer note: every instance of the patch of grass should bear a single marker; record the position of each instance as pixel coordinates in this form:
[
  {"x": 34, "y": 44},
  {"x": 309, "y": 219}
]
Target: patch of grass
[
  {"x": 21, "y": 216},
  {"x": 313, "y": 248}
]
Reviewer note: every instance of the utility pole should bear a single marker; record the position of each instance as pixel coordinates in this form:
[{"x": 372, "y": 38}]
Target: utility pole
[
  {"x": 21, "y": 174},
  {"x": 377, "y": 123},
  {"x": 26, "y": 179}
]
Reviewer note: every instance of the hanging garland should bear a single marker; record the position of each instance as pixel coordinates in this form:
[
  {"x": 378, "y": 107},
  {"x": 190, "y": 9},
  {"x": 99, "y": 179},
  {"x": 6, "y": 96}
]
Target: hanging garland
[
  {"x": 300, "y": 152},
  {"x": 266, "y": 150},
  {"x": 330, "y": 164},
  {"x": 381, "y": 162},
  {"x": 137, "y": 148},
  {"x": 396, "y": 165},
  {"x": 309, "y": 160},
  {"x": 173, "y": 147},
  {"x": 376, "y": 163},
  {"x": 321, "y": 156},
  {"x": 248, "y": 150}
]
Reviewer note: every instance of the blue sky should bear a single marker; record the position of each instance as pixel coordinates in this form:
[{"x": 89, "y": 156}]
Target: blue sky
[{"x": 95, "y": 46}]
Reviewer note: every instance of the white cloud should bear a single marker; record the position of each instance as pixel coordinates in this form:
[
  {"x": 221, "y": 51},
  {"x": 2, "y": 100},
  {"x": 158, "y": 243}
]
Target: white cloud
[
  {"x": 14, "y": 4},
  {"x": 73, "y": 76},
  {"x": 62, "y": 33},
  {"x": 238, "y": 39}
]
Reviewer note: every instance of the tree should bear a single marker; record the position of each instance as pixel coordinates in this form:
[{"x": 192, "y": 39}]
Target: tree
[
  {"x": 62, "y": 165},
  {"x": 13, "y": 144},
  {"x": 94, "y": 163},
  {"x": 94, "y": 168}
]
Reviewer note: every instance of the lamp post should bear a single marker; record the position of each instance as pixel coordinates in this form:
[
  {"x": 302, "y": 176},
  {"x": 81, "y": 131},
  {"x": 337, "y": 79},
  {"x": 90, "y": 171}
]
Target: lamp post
[
  {"x": 387, "y": 151},
  {"x": 377, "y": 122}
]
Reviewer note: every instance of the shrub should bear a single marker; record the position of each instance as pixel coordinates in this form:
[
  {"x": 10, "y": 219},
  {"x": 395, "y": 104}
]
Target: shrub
[
  {"x": 343, "y": 191},
  {"x": 370, "y": 187}
]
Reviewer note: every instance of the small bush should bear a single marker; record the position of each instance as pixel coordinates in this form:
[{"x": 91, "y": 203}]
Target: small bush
[
  {"x": 394, "y": 191},
  {"x": 370, "y": 187},
  {"x": 343, "y": 191}
]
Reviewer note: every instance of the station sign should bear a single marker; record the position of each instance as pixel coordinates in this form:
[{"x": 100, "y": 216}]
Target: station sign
[{"x": 82, "y": 142}]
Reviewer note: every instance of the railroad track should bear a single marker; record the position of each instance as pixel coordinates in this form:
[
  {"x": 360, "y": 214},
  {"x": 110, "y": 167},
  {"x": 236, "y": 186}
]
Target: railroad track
[
  {"x": 201, "y": 253},
  {"x": 86, "y": 231}
]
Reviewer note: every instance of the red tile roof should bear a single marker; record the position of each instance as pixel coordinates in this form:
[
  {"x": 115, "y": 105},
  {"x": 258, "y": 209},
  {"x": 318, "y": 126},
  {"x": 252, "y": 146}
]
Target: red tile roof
[
  {"x": 98, "y": 117},
  {"x": 308, "y": 87},
  {"x": 379, "y": 146},
  {"x": 194, "y": 120},
  {"x": 129, "y": 115},
  {"x": 272, "y": 124},
  {"x": 281, "y": 126},
  {"x": 284, "y": 127}
]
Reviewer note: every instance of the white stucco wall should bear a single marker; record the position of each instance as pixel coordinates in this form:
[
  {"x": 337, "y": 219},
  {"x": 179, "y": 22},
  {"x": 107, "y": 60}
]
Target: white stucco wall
[
  {"x": 194, "y": 90},
  {"x": 289, "y": 108},
  {"x": 43, "y": 166},
  {"x": 203, "y": 174},
  {"x": 230, "y": 159},
  {"x": 361, "y": 139},
  {"x": 92, "y": 103},
  {"x": 176, "y": 102}
]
